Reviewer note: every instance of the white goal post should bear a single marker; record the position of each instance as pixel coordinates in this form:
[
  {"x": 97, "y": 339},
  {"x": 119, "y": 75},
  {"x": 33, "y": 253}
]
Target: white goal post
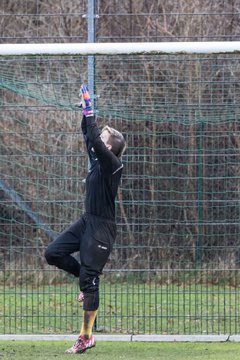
[{"x": 207, "y": 47}]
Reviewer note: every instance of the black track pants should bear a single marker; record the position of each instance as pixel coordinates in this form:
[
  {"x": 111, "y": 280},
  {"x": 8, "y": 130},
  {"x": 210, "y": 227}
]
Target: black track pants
[{"x": 93, "y": 236}]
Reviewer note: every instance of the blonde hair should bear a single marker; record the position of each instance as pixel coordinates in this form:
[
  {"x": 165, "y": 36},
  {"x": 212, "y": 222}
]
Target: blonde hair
[{"x": 116, "y": 140}]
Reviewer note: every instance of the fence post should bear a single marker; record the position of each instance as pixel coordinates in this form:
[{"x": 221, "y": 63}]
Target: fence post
[
  {"x": 91, "y": 69},
  {"x": 200, "y": 196},
  {"x": 91, "y": 39}
]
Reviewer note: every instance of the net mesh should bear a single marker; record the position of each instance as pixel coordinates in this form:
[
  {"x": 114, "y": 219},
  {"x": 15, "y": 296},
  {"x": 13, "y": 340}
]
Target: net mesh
[{"x": 178, "y": 203}]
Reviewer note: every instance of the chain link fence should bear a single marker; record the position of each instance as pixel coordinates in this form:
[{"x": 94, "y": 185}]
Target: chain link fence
[{"x": 175, "y": 265}]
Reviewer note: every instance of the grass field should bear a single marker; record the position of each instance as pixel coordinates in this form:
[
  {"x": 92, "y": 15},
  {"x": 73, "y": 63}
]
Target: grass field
[{"x": 46, "y": 350}]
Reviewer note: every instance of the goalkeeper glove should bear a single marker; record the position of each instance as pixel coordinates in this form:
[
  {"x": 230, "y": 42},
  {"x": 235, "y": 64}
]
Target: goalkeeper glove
[{"x": 86, "y": 104}]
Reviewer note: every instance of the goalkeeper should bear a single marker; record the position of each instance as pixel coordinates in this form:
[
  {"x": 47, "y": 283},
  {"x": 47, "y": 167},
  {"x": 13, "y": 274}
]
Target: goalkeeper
[{"x": 94, "y": 233}]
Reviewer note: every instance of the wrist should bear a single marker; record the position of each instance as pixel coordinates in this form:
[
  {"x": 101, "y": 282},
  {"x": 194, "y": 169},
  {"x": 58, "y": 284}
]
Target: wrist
[{"x": 87, "y": 112}]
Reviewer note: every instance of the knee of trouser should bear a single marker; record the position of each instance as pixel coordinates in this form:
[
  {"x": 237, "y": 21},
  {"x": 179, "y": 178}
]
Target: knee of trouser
[{"x": 51, "y": 256}]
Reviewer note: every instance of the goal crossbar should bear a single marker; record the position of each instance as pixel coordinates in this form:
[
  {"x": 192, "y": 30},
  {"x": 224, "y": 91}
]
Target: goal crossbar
[{"x": 207, "y": 47}]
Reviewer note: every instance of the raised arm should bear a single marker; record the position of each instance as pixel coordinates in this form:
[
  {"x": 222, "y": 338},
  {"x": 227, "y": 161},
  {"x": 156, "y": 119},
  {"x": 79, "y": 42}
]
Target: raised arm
[{"x": 109, "y": 162}]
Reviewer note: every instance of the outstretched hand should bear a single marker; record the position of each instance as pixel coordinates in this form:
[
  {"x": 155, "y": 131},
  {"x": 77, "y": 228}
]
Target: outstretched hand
[{"x": 86, "y": 104}]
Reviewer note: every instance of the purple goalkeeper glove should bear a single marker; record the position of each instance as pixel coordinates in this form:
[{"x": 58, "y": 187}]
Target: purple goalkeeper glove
[{"x": 86, "y": 104}]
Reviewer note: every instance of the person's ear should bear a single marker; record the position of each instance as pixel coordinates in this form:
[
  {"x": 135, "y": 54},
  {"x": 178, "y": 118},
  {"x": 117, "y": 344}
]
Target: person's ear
[{"x": 109, "y": 147}]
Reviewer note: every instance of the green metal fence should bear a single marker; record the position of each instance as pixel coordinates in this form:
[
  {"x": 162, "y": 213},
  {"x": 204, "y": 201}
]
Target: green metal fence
[{"x": 175, "y": 265}]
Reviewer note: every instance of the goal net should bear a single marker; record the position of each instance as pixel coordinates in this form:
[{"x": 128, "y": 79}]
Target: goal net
[{"x": 178, "y": 203}]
